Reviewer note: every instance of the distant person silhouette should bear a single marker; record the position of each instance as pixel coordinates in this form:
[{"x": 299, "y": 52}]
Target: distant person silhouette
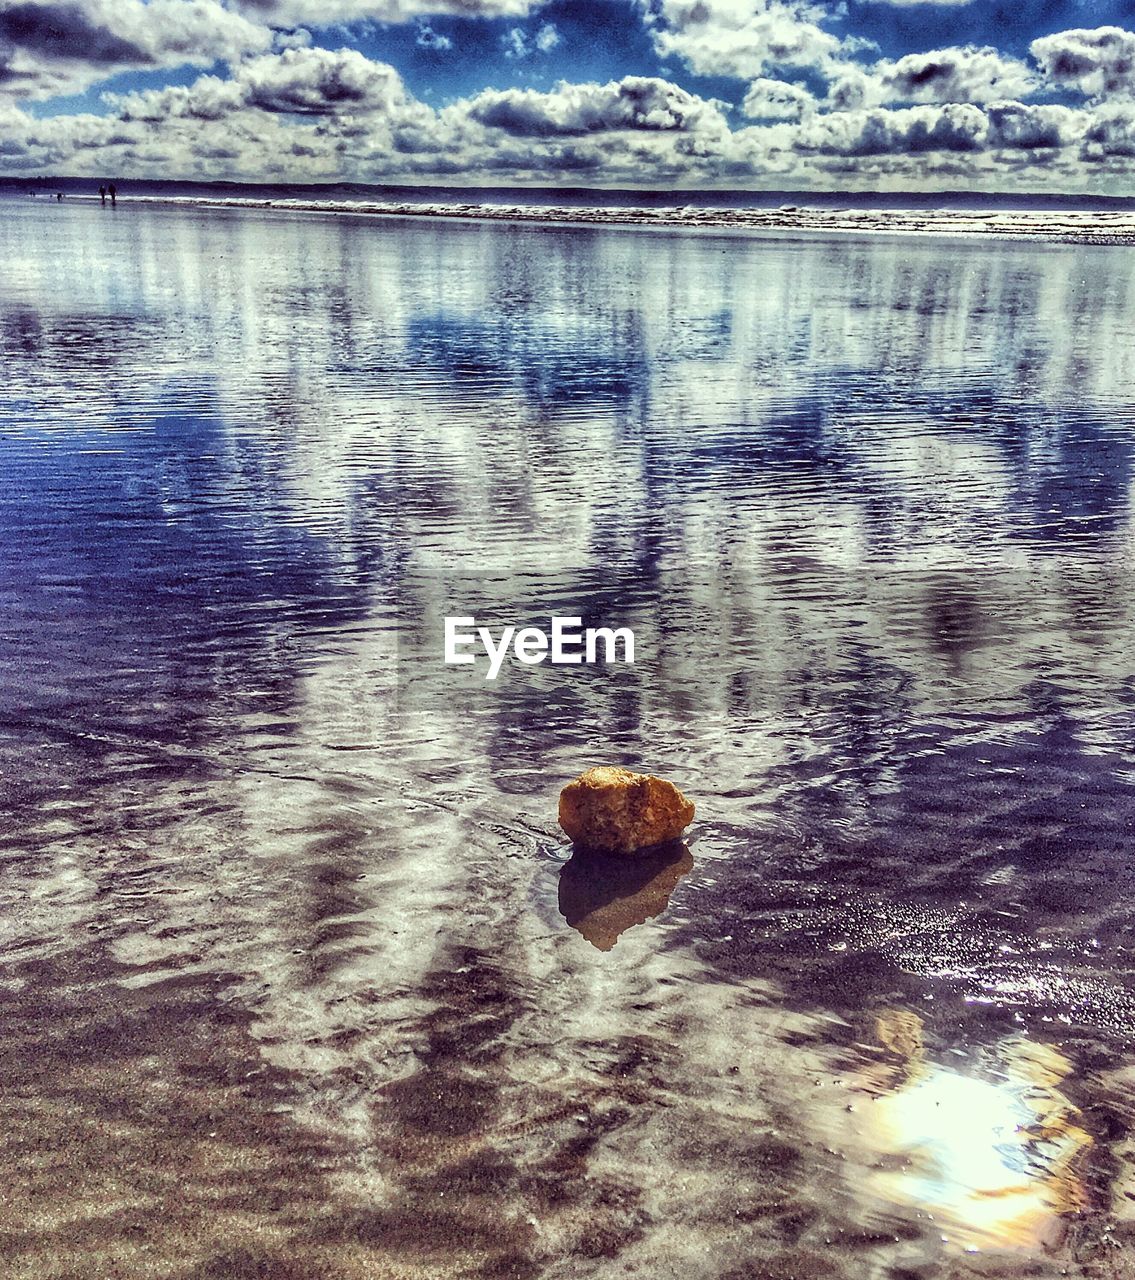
[
  {"x": 102, "y": 194},
  {"x": 113, "y": 190},
  {"x": 59, "y": 195}
]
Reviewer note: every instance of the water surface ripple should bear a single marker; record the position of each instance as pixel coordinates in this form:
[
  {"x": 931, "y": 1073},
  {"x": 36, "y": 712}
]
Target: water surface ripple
[{"x": 298, "y": 977}]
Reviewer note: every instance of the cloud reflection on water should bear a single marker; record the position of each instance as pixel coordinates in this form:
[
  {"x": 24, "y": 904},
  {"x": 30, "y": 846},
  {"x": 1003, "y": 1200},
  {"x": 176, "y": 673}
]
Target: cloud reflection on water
[{"x": 868, "y": 503}]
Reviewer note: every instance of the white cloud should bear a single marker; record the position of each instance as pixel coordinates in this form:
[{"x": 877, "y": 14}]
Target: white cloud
[
  {"x": 319, "y": 81},
  {"x": 428, "y": 38},
  {"x": 777, "y": 100},
  {"x": 303, "y": 81},
  {"x": 1096, "y": 62},
  {"x": 52, "y": 47},
  {"x": 635, "y": 102},
  {"x": 515, "y": 43},
  {"x": 954, "y": 127},
  {"x": 950, "y": 127},
  {"x": 745, "y": 38},
  {"x": 333, "y": 13},
  {"x": 1017, "y": 125},
  {"x": 313, "y": 114},
  {"x": 519, "y": 44},
  {"x": 965, "y": 74},
  {"x": 1110, "y": 133},
  {"x": 547, "y": 38}
]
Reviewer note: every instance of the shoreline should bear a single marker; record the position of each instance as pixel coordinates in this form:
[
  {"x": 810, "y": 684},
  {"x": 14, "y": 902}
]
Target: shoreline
[{"x": 1066, "y": 227}]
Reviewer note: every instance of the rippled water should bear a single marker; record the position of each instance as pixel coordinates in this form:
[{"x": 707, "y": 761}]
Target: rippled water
[{"x": 298, "y": 977}]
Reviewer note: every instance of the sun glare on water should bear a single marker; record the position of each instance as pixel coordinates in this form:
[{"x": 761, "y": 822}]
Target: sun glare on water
[{"x": 996, "y": 1158}]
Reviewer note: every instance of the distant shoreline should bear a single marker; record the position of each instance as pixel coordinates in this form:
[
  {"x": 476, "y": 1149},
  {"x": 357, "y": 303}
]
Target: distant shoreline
[{"x": 1045, "y": 226}]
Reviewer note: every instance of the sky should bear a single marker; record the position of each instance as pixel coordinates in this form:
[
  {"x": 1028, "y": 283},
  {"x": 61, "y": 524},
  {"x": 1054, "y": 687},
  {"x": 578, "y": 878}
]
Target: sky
[{"x": 794, "y": 95}]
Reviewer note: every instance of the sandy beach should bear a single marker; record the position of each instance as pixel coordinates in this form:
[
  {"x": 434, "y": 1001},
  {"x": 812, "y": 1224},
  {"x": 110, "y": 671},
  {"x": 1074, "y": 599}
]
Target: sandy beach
[{"x": 1052, "y": 226}]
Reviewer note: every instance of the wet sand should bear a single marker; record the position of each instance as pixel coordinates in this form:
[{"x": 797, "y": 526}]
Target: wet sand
[{"x": 299, "y": 978}]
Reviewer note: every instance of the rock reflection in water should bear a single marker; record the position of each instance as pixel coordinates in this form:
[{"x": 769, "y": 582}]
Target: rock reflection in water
[
  {"x": 991, "y": 1150},
  {"x": 602, "y": 896}
]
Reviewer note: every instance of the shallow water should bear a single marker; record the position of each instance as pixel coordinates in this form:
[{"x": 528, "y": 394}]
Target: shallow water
[{"x": 299, "y": 978}]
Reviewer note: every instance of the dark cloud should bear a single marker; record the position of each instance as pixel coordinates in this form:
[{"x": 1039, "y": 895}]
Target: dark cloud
[
  {"x": 1110, "y": 135},
  {"x": 52, "y": 47},
  {"x": 1014, "y": 125},
  {"x": 1096, "y": 62},
  {"x": 65, "y": 31}
]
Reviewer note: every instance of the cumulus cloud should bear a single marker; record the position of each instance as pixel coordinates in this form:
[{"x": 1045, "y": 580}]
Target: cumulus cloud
[
  {"x": 334, "y": 13},
  {"x": 1032, "y": 126},
  {"x": 954, "y": 75},
  {"x": 635, "y": 102},
  {"x": 1096, "y": 62},
  {"x": 54, "y": 47},
  {"x": 776, "y": 100},
  {"x": 318, "y": 82},
  {"x": 279, "y": 106},
  {"x": 619, "y": 132},
  {"x": 744, "y": 38},
  {"x": 302, "y": 82},
  {"x": 339, "y": 114},
  {"x": 949, "y": 127},
  {"x": 208, "y": 98},
  {"x": 1110, "y": 134},
  {"x": 964, "y": 74},
  {"x": 50, "y": 47},
  {"x": 955, "y": 127}
]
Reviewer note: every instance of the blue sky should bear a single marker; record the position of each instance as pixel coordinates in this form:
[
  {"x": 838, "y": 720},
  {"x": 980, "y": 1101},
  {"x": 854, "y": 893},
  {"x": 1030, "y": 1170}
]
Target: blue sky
[{"x": 789, "y": 94}]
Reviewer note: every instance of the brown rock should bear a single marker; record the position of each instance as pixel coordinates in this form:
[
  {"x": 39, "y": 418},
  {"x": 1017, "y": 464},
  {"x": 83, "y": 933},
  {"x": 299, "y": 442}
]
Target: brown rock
[{"x": 617, "y": 811}]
